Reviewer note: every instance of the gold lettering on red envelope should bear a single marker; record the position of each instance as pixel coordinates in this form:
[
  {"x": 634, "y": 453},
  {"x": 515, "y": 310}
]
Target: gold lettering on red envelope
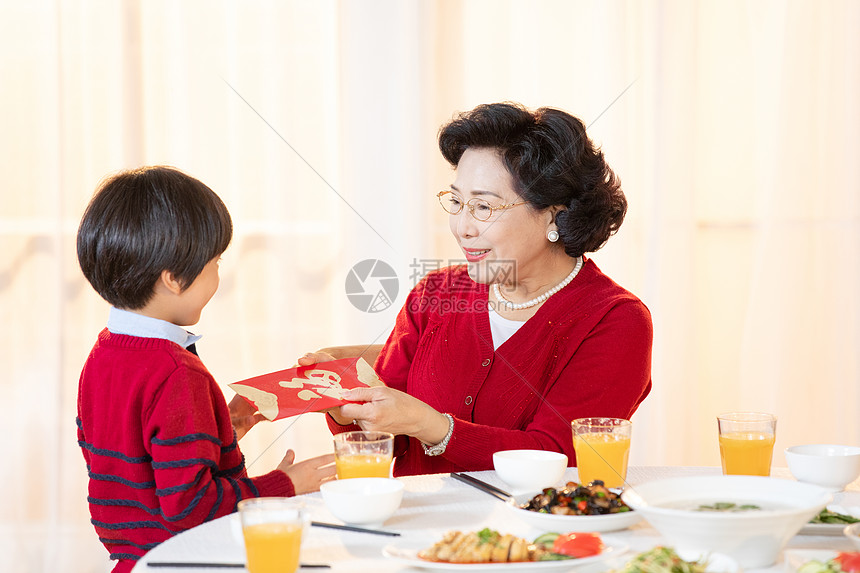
[
  {"x": 367, "y": 374},
  {"x": 316, "y": 384},
  {"x": 306, "y": 388},
  {"x": 266, "y": 402}
]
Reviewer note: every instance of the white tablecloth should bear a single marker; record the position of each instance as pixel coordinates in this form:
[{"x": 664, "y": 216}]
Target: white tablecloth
[{"x": 432, "y": 505}]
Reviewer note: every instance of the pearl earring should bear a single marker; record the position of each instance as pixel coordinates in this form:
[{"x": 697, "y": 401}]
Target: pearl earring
[{"x": 552, "y": 236}]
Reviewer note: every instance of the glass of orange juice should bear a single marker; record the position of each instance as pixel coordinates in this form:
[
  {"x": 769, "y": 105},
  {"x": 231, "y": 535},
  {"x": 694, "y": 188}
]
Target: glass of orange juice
[
  {"x": 746, "y": 442},
  {"x": 602, "y": 447},
  {"x": 272, "y": 527},
  {"x": 363, "y": 454}
]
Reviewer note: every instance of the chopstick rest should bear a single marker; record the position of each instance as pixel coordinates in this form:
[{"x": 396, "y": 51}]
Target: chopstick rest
[{"x": 482, "y": 485}]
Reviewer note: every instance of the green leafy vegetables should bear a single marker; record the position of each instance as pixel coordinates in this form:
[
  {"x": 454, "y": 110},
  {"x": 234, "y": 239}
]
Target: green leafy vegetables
[
  {"x": 662, "y": 560},
  {"x": 728, "y": 506},
  {"x": 827, "y": 516}
]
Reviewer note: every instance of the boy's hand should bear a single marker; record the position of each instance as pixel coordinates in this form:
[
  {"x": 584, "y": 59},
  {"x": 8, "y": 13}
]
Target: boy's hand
[
  {"x": 243, "y": 416},
  {"x": 307, "y": 475}
]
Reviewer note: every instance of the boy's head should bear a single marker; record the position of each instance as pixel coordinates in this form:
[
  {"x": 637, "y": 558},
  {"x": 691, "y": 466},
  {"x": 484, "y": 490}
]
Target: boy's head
[{"x": 145, "y": 221}]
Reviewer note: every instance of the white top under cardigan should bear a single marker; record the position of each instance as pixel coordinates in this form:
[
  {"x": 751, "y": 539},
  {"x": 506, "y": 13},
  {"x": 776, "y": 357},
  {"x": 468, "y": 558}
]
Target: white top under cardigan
[{"x": 501, "y": 328}]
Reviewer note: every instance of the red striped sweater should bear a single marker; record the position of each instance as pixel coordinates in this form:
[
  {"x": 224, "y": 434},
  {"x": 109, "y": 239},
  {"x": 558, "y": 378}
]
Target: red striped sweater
[{"x": 161, "y": 453}]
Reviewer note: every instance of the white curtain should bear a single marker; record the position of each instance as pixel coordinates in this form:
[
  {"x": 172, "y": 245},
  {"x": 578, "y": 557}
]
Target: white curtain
[{"x": 734, "y": 125}]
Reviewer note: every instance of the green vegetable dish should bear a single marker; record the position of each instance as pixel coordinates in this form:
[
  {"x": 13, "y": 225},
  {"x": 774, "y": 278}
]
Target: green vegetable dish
[
  {"x": 819, "y": 567},
  {"x": 662, "y": 560},
  {"x": 844, "y": 562},
  {"x": 728, "y": 506},
  {"x": 827, "y": 516}
]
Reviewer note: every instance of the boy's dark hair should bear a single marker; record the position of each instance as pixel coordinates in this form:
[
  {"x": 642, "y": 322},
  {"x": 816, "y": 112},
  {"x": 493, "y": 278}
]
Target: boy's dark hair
[
  {"x": 552, "y": 162},
  {"x": 144, "y": 221}
]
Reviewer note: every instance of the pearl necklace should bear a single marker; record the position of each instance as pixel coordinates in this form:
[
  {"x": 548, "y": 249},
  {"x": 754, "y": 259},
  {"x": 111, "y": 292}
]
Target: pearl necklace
[{"x": 540, "y": 298}]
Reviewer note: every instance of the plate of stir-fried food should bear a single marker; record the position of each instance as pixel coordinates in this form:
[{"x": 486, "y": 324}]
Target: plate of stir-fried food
[
  {"x": 575, "y": 507},
  {"x": 491, "y": 550}
]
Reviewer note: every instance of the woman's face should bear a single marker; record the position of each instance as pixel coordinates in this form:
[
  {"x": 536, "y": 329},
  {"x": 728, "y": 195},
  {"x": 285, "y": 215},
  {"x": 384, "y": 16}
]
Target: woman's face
[{"x": 511, "y": 246}]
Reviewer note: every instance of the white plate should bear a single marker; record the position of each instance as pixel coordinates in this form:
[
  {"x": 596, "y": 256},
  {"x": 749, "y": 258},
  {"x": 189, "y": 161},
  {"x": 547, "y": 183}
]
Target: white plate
[
  {"x": 552, "y": 522},
  {"x": 795, "y": 558},
  {"x": 822, "y": 529},
  {"x": 407, "y": 554},
  {"x": 830, "y": 528}
]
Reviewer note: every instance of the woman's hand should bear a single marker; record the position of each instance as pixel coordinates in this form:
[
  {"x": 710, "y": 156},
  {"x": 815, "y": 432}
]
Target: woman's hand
[
  {"x": 337, "y": 416},
  {"x": 243, "y": 416},
  {"x": 315, "y": 358},
  {"x": 367, "y": 351},
  {"x": 384, "y": 409},
  {"x": 307, "y": 475}
]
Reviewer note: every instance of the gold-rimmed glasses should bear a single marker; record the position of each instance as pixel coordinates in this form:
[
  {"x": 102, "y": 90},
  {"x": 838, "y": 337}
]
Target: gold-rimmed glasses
[{"x": 478, "y": 208}]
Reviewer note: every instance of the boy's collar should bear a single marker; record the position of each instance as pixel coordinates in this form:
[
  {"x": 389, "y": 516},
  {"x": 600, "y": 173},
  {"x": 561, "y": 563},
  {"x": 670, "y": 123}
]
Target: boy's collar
[{"x": 133, "y": 324}]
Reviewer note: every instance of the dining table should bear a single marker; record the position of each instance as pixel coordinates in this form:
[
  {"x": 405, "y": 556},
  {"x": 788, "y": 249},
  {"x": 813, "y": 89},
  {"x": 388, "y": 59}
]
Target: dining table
[{"x": 435, "y": 504}]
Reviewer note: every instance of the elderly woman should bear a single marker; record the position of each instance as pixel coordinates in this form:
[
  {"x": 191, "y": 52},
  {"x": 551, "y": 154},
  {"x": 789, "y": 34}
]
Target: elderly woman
[{"x": 504, "y": 352}]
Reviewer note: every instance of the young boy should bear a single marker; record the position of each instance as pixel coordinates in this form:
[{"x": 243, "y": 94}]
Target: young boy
[{"x": 153, "y": 425}]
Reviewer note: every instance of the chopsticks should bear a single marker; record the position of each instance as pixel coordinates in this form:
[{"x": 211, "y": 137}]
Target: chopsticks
[
  {"x": 195, "y": 565},
  {"x": 203, "y": 565},
  {"x": 354, "y": 528},
  {"x": 191, "y": 565},
  {"x": 482, "y": 485}
]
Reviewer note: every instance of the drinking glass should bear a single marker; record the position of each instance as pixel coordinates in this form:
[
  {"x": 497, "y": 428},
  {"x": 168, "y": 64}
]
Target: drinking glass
[
  {"x": 746, "y": 442},
  {"x": 272, "y": 527},
  {"x": 363, "y": 454},
  {"x": 602, "y": 447}
]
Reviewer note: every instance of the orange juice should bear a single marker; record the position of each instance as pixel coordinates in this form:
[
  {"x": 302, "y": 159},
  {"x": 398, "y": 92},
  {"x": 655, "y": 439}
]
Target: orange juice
[
  {"x": 746, "y": 453},
  {"x": 362, "y": 465},
  {"x": 273, "y": 547},
  {"x": 602, "y": 456}
]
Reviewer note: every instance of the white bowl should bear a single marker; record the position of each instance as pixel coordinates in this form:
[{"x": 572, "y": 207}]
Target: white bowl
[
  {"x": 529, "y": 469},
  {"x": 362, "y": 501},
  {"x": 831, "y": 467},
  {"x": 754, "y": 538}
]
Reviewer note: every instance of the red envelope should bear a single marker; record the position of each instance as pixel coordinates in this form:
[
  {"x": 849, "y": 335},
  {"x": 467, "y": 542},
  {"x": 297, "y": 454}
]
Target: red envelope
[{"x": 307, "y": 388}]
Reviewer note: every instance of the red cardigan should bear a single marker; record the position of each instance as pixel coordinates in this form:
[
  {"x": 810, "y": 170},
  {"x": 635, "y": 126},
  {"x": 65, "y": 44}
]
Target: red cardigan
[
  {"x": 160, "y": 450},
  {"x": 586, "y": 352}
]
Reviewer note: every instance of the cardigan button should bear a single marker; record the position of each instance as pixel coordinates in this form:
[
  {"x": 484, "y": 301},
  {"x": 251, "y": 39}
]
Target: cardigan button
[
  {"x": 486, "y": 362},
  {"x": 468, "y": 400}
]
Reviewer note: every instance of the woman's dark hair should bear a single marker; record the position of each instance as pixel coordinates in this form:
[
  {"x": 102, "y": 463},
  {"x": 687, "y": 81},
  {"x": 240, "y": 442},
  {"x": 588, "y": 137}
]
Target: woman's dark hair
[
  {"x": 144, "y": 221},
  {"x": 552, "y": 162}
]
